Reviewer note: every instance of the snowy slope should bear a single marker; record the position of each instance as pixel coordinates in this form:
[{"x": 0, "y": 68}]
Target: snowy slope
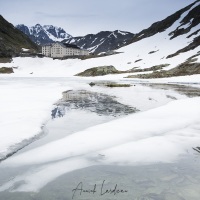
[{"x": 25, "y": 106}]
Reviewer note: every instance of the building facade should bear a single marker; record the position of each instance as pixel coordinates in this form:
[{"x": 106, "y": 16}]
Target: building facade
[
  {"x": 46, "y": 50},
  {"x": 60, "y": 50}
]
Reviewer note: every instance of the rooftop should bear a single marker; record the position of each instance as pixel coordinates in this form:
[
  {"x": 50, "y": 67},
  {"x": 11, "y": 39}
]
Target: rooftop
[
  {"x": 66, "y": 45},
  {"x": 70, "y": 46}
]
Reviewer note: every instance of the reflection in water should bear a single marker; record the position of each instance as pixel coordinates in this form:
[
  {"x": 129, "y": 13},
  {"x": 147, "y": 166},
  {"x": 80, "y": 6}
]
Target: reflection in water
[
  {"x": 98, "y": 103},
  {"x": 187, "y": 90}
]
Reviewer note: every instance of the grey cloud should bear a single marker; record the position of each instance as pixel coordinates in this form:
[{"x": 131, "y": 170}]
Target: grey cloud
[{"x": 81, "y": 17}]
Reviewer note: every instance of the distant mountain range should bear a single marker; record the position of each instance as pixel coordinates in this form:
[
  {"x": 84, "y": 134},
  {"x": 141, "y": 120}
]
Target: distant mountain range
[
  {"x": 103, "y": 41},
  {"x": 44, "y": 34}
]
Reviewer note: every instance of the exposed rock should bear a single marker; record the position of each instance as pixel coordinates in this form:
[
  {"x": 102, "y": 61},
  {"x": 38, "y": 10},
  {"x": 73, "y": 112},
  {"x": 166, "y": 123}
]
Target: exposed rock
[
  {"x": 183, "y": 69},
  {"x": 138, "y": 60},
  {"x": 171, "y": 97},
  {"x": 153, "y": 68},
  {"x": 187, "y": 90},
  {"x": 117, "y": 85},
  {"x": 109, "y": 84},
  {"x": 194, "y": 33},
  {"x": 151, "y": 52},
  {"x": 92, "y": 84},
  {"x": 191, "y": 59},
  {"x": 104, "y": 70},
  {"x": 192, "y": 19},
  {"x": 162, "y": 25},
  {"x": 99, "y": 71},
  {"x": 6, "y": 70},
  {"x": 191, "y": 46},
  {"x": 96, "y": 56},
  {"x": 5, "y": 60},
  {"x": 197, "y": 149}
]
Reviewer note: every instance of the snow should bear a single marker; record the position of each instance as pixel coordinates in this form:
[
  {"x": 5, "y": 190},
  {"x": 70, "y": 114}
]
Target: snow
[
  {"x": 25, "y": 50},
  {"x": 193, "y": 79},
  {"x": 114, "y": 35},
  {"x": 92, "y": 49},
  {"x": 48, "y": 173},
  {"x": 164, "y": 134},
  {"x": 164, "y": 130},
  {"x": 122, "y": 32},
  {"x": 37, "y": 28},
  {"x": 73, "y": 40},
  {"x": 24, "y": 106},
  {"x": 170, "y": 121},
  {"x": 94, "y": 40},
  {"x": 138, "y": 96}
]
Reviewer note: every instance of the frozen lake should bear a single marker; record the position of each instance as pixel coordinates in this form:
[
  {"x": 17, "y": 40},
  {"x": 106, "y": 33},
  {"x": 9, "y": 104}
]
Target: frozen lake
[{"x": 83, "y": 147}]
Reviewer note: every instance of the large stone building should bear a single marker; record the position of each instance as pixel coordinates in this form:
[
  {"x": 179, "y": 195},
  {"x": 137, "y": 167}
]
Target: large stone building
[{"x": 60, "y": 50}]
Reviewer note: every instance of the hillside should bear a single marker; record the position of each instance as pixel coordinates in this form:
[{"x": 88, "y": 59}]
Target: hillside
[
  {"x": 187, "y": 24},
  {"x": 12, "y": 40}
]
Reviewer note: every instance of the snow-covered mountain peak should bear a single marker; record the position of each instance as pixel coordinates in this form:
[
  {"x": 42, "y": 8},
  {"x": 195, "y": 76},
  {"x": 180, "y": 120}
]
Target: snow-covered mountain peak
[
  {"x": 44, "y": 34},
  {"x": 38, "y": 26},
  {"x": 103, "y": 41},
  {"x": 35, "y": 29}
]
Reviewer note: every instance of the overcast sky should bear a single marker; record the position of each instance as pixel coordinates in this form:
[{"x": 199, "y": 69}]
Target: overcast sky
[{"x": 80, "y": 17}]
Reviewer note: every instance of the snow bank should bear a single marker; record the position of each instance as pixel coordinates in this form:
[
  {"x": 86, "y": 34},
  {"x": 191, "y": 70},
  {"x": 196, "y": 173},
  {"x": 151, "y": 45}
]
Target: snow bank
[
  {"x": 165, "y": 132},
  {"x": 36, "y": 179},
  {"x": 24, "y": 106}
]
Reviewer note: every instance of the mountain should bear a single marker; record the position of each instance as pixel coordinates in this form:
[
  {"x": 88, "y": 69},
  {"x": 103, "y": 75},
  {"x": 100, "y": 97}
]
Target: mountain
[
  {"x": 187, "y": 24},
  {"x": 103, "y": 41},
  {"x": 183, "y": 25},
  {"x": 44, "y": 34},
  {"x": 167, "y": 48},
  {"x": 12, "y": 41}
]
